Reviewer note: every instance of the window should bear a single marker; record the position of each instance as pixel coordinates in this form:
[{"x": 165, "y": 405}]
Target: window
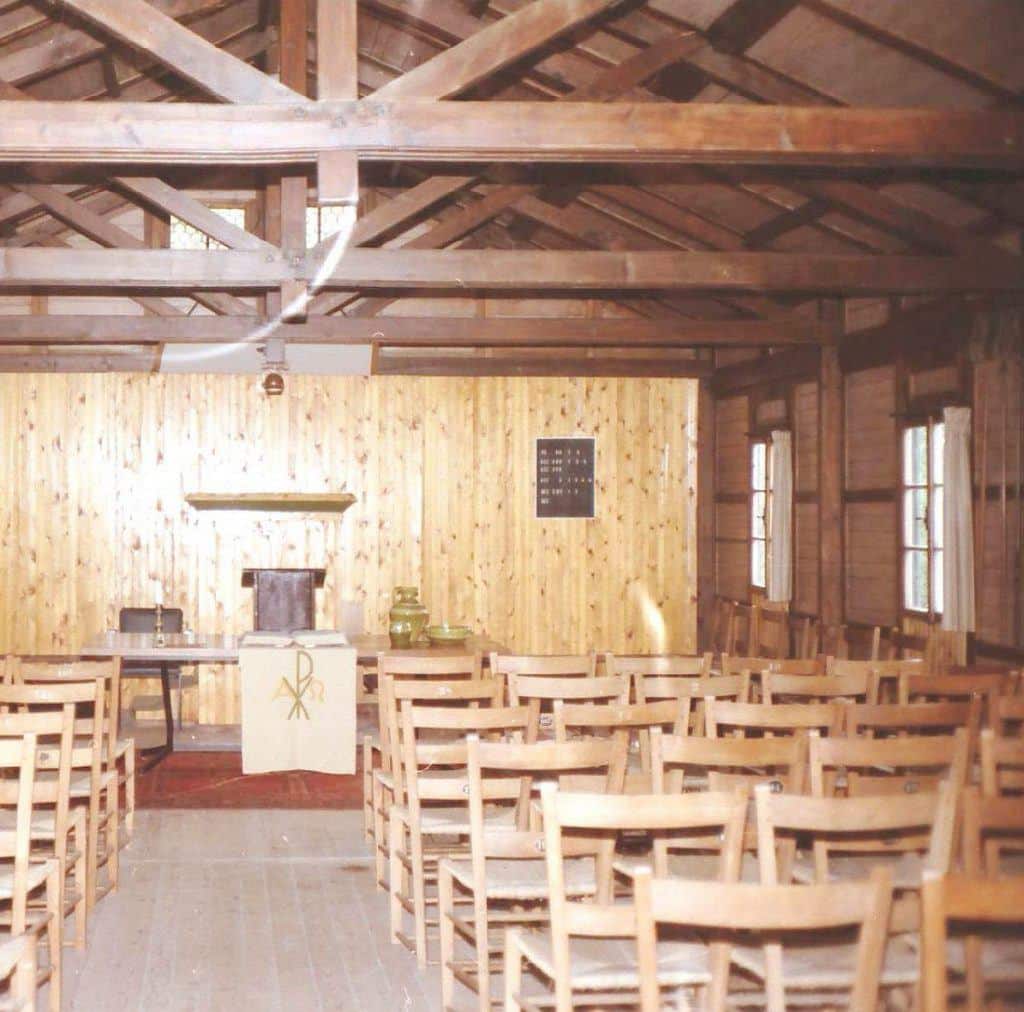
[
  {"x": 323, "y": 222},
  {"x": 760, "y": 507},
  {"x": 185, "y": 236},
  {"x": 922, "y": 517}
]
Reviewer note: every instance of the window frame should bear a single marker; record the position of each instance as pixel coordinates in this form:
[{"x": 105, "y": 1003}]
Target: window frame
[
  {"x": 756, "y": 441},
  {"x": 934, "y": 500}
]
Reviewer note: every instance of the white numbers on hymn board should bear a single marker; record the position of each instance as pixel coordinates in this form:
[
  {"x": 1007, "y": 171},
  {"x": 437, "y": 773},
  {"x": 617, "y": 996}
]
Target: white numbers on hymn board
[{"x": 565, "y": 476}]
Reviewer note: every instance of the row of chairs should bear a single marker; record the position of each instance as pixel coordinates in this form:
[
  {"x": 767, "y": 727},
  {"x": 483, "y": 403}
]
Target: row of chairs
[
  {"x": 66, "y": 771},
  {"x": 426, "y": 813}
]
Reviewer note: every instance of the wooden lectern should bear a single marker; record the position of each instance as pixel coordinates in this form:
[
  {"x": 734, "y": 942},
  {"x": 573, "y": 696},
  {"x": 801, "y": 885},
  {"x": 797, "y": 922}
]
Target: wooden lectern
[{"x": 285, "y": 598}]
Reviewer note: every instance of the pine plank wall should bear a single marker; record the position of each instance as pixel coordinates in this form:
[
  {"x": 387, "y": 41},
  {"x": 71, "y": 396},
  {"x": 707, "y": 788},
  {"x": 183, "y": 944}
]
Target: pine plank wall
[{"x": 94, "y": 470}]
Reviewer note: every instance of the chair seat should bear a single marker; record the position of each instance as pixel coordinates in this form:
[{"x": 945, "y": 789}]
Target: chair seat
[
  {"x": 44, "y": 823},
  {"x": 906, "y": 868},
  {"x": 701, "y": 867},
  {"x": 37, "y": 873},
  {"x": 611, "y": 963},
  {"x": 828, "y": 965},
  {"x": 451, "y": 819},
  {"x": 81, "y": 783},
  {"x": 526, "y": 879},
  {"x": 1002, "y": 959}
]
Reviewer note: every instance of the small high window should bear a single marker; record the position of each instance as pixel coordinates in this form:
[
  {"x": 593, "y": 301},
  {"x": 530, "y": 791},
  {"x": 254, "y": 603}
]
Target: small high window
[
  {"x": 760, "y": 511},
  {"x": 922, "y": 517},
  {"x": 185, "y": 236}
]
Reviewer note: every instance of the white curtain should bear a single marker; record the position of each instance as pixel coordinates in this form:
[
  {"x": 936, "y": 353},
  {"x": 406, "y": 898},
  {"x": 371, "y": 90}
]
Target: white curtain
[
  {"x": 780, "y": 546},
  {"x": 957, "y": 523}
]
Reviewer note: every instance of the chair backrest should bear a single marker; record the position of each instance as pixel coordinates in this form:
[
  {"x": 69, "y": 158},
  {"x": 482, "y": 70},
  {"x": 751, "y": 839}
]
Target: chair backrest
[
  {"x": 1002, "y": 764},
  {"x": 780, "y": 688},
  {"x": 735, "y": 665},
  {"x": 993, "y": 827},
  {"x": 693, "y": 692},
  {"x": 54, "y": 731},
  {"x": 923, "y": 823},
  {"x": 629, "y": 723},
  {"x": 883, "y": 720},
  {"x": 722, "y": 628},
  {"x": 1009, "y": 716},
  {"x": 680, "y": 763},
  {"x": 886, "y": 672},
  {"x": 754, "y": 719},
  {"x": 973, "y": 902},
  {"x": 434, "y": 738},
  {"x": 811, "y": 666},
  {"x": 458, "y": 692},
  {"x": 663, "y": 665},
  {"x": 862, "y": 767},
  {"x": 542, "y": 691},
  {"x": 544, "y": 664},
  {"x": 410, "y": 664},
  {"x": 17, "y": 782},
  {"x": 988, "y": 687},
  {"x": 718, "y": 815},
  {"x": 770, "y": 629},
  {"x": 776, "y": 913}
]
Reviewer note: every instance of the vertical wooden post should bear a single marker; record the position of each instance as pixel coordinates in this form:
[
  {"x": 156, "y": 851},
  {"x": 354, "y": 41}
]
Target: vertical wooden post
[
  {"x": 337, "y": 78},
  {"x": 293, "y": 42},
  {"x": 830, "y": 475},
  {"x": 705, "y": 513}
]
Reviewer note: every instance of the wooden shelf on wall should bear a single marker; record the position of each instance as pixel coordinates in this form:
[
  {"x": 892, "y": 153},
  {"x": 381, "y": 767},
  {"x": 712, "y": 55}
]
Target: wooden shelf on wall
[{"x": 273, "y": 502}]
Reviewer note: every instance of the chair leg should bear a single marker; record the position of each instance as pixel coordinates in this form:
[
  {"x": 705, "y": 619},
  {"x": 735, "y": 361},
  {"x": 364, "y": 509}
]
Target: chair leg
[
  {"x": 482, "y": 939},
  {"x": 380, "y": 831},
  {"x": 419, "y": 896},
  {"x": 445, "y": 912},
  {"x": 394, "y": 877},
  {"x": 129, "y": 791},
  {"x": 55, "y": 911},
  {"x": 81, "y": 884},
  {"x": 92, "y": 848},
  {"x": 112, "y": 835},
  {"x": 24, "y": 981},
  {"x": 513, "y": 971},
  {"x": 368, "y": 812}
]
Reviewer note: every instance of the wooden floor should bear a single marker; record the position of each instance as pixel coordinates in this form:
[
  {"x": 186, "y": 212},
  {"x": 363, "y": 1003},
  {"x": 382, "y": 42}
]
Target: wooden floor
[{"x": 245, "y": 911}]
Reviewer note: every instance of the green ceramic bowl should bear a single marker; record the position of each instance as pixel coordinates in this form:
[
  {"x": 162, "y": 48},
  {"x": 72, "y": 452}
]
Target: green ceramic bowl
[{"x": 445, "y": 635}]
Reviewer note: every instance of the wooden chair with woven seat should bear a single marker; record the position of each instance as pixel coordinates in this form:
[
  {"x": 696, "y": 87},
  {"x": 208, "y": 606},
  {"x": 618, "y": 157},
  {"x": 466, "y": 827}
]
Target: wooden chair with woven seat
[
  {"x": 1002, "y": 764},
  {"x": 504, "y": 666},
  {"x": 693, "y": 692},
  {"x": 541, "y": 692},
  {"x": 1008, "y": 718},
  {"x": 861, "y": 767},
  {"x": 404, "y": 665},
  {"x": 846, "y": 838},
  {"x": 590, "y": 948},
  {"x": 749, "y": 720},
  {"x": 631, "y": 724},
  {"x": 777, "y": 913},
  {"x": 392, "y": 689},
  {"x": 637, "y": 667},
  {"x": 975, "y": 903},
  {"x": 30, "y": 889},
  {"x": 504, "y": 877},
  {"x": 777, "y": 687},
  {"x": 770, "y": 629},
  {"x": 58, "y": 831},
  {"x": 993, "y": 847},
  {"x": 988, "y": 687},
  {"x": 19, "y": 965},
  {"x": 430, "y": 815},
  {"x": 722, "y": 626},
  {"x": 123, "y": 747},
  {"x": 887, "y": 720},
  {"x": 94, "y": 777}
]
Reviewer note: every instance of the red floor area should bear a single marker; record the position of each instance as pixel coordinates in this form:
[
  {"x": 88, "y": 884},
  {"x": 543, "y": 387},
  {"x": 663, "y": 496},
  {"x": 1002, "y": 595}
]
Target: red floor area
[{"x": 215, "y": 780}]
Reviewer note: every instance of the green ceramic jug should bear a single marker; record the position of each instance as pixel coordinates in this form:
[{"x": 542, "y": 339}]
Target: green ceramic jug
[{"x": 408, "y": 608}]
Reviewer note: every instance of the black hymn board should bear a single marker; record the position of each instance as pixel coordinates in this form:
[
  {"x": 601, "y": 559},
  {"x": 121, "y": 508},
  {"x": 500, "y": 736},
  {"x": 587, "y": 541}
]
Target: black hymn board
[{"x": 565, "y": 477}]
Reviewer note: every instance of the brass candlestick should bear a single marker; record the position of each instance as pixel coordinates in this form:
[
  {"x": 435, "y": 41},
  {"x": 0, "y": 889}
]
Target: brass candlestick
[{"x": 159, "y": 627}]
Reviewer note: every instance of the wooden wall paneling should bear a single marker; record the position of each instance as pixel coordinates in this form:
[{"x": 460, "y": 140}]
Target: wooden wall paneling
[{"x": 830, "y": 475}]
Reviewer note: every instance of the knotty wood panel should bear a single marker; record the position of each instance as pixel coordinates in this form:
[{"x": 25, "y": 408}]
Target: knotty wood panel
[
  {"x": 871, "y": 439},
  {"x": 97, "y": 467}
]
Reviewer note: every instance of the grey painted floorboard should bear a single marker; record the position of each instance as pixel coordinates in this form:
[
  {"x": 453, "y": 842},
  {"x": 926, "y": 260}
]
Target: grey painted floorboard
[{"x": 245, "y": 911}]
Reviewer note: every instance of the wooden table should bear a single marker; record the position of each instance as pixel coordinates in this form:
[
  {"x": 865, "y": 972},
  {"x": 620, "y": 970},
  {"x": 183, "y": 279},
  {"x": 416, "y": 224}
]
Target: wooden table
[{"x": 197, "y": 648}]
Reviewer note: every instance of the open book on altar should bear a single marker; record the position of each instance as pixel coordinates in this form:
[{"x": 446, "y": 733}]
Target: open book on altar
[{"x": 299, "y": 638}]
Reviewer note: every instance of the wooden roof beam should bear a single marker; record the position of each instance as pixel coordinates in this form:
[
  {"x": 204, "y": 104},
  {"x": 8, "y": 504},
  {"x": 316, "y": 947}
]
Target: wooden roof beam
[
  {"x": 409, "y": 331},
  {"x": 476, "y": 270},
  {"x": 574, "y": 132}
]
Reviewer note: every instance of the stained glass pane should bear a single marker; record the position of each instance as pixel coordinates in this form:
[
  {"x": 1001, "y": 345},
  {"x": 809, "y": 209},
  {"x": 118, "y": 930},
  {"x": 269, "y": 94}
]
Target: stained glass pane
[
  {"x": 915, "y": 508},
  {"x": 915, "y": 455},
  {"x": 915, "y": 580},
  {"x": 757, "y": 563}
]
